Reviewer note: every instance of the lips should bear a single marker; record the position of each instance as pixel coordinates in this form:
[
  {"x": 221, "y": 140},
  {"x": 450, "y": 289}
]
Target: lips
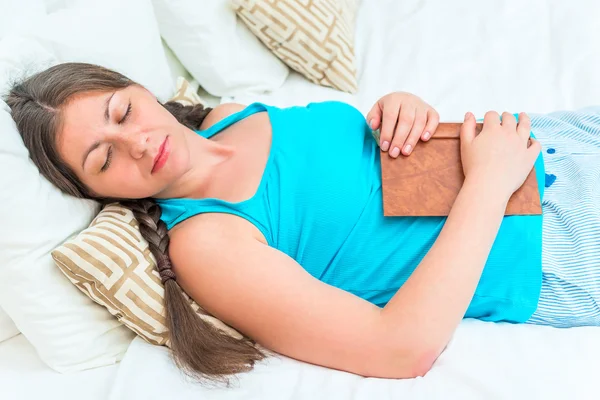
[{"x": 162, "y": 156}]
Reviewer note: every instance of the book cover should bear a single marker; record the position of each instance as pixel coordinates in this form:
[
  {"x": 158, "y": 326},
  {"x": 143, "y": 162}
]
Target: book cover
[{"x": 427, "y": 182}]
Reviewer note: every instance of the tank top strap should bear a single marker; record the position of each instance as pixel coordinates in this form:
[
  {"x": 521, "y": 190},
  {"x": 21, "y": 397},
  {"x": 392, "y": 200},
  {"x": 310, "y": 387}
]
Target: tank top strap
[
  {"x": 232, "y": 119},
  {"x": 176, "y": 210}
]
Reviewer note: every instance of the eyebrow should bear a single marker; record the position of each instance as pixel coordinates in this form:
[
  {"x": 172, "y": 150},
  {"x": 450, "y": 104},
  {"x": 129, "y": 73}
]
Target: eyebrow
[{"x": 106, "y": 113}]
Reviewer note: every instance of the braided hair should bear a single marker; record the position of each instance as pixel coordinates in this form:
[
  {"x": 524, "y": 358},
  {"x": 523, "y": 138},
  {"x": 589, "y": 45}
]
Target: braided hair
[{"x": 199, "y": 349}]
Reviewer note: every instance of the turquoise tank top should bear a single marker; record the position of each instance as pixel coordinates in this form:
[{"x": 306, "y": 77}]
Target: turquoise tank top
[{"x": 320, "y": 202}]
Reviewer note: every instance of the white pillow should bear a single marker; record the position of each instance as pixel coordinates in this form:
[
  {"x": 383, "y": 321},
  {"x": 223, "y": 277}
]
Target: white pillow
[
  {"x": 8, "y": 328},
  {"x": 19, "y": 14},
  {"x": 55, "y": 5},
  {"x": 216, "y": 48},
  {"x": 68, "y": 330},
  {"x": 121, "y": 35},
  {"x": 21, "y": 56}
]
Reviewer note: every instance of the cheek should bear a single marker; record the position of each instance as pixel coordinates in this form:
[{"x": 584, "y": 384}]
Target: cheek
[
  {"x": 129, "y": 183},
  {"x": 123, "y": 174},
  {"x": 154, "y": 114}
]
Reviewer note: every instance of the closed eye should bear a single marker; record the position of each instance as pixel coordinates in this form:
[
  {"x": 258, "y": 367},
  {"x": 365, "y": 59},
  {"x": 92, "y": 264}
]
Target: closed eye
[
  {"x": 108, "y": 160},
  {"x": 126, "y": 115}
]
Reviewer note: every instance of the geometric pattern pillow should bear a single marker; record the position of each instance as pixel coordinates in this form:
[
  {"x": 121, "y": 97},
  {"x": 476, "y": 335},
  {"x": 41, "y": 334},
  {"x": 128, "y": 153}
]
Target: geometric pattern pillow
[
  {"x": 313, "y": 37},
  {"x": 185, "y": 94},
  {"x": 111, "y": 263}
]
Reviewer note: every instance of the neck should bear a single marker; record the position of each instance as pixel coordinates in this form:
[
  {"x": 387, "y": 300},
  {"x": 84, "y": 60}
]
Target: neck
[{"x": 205, "y": 157}]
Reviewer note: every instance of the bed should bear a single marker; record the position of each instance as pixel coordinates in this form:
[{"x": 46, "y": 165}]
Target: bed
[
  {"x": 465, "y": 55},
  {"x": 24, "y": 376},
  {"x": 536, "y": 56}
]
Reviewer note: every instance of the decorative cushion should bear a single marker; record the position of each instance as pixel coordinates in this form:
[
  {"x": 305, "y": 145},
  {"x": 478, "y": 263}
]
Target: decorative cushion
[
  {"x": 185, "y": 94},
  {"x": 315, "y": 38},
  {"x": 112, "y": 263}
]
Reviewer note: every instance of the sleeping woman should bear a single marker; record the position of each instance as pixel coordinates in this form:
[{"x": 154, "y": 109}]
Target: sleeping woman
[{"x": 275, "y": 222}]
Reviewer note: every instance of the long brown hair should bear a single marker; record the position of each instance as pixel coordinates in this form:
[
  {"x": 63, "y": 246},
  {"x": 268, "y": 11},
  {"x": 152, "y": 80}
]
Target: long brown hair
[{"x": 200, "y": 349}]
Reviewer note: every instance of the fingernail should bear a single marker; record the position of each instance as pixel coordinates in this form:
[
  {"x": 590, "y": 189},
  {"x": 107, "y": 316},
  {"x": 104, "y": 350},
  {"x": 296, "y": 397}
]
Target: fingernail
[
  {"x": 395, "y": 152},
  {"x": 427, "y": 135},
  {"x": 372, "y": 123},
  {"x": 407, "y": 149},
  {"x": 467, "y": 115},
  {"x": 385, "y": 146}
]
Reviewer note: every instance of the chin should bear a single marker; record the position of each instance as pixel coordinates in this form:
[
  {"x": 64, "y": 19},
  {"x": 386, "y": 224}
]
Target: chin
[{"x": 166, "y": 182}]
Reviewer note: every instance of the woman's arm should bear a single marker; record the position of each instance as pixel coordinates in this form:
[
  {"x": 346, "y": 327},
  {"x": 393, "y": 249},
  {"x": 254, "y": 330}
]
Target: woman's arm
[
  {"x": 268, "y": 296},
  {"x": 436, "y": 296}
]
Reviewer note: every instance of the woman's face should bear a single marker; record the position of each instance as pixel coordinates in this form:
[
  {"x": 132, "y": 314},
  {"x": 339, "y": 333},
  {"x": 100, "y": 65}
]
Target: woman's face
[{"x": 123, "y": 144}]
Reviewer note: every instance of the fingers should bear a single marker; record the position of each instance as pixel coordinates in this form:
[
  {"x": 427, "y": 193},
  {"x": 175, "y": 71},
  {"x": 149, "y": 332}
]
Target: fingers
[
  {"x": 400, "y": 121},
  {"x": 524, "y": 126},
  {"x": 405, "y": 123},
  {"x": 374, "y": 117},
  {"x": 509, "y": 121},
  {"x": 491, "y": 118},
  {"x": 433, "y": 120},
  {"x": 389, "y": 117},
  {"x": 467, "y": 129},
  {"x": 415, "y": 133},
  {"x": 534, "y": 150}
]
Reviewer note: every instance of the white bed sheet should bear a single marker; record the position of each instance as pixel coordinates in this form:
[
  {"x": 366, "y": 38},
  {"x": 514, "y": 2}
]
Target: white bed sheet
[
  {"x": 483, "y": 361},
  {"x": 23, "y": 376},
  {"x": 461, "y": 55}
]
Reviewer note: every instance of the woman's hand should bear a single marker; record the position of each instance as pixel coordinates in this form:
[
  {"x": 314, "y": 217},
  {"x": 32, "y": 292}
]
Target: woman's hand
[
  {"x": 402, "y": 119},
  {"x": 502, "y": 155}
]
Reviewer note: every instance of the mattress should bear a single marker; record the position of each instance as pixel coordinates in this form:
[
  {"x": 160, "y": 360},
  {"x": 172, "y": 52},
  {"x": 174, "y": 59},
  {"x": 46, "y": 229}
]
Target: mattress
[
  {"x": 23, "y": 375},
  {"x": 465, "y": 55}
]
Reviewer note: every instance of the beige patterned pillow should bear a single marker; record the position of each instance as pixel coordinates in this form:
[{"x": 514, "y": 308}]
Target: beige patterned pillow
[
  {"x": 112, "y": 264},
  {"x": 314, "y": 37},
  {"x": 185, "y": 94}
]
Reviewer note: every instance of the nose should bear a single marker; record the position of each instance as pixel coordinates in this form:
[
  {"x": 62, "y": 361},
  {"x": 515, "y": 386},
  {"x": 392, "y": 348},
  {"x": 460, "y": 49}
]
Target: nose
[{"x": 137, "y": 142}]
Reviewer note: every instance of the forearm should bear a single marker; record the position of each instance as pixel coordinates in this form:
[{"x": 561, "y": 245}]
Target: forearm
[{"x": 429, "y": 306}]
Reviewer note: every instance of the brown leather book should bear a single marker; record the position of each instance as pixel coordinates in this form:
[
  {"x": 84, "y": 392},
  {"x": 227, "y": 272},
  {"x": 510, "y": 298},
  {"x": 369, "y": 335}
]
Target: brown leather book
[{"x": 427, "y": 182}]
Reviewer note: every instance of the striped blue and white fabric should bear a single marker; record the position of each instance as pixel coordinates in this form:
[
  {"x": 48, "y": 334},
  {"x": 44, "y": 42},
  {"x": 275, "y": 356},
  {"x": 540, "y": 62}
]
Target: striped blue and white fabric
[{"x": 570, "y": 293}]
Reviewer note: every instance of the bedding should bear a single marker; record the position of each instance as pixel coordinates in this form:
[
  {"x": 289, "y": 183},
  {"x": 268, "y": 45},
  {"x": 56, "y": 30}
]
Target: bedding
[
  {"x": 93, "y": 43},
  {"x": 68, "y": 330},
  {"x": 112, "y": 263},
  {"x": 20, "y": 14},
  {"x": 24, "y": 376},
  {"x": 217, "y": 49},
  {"x": 8, "y": 328},
  {"x": 482, "y": 361},
  {"x": 315, "y": 38},
  {"x": 538, "y": 56}
]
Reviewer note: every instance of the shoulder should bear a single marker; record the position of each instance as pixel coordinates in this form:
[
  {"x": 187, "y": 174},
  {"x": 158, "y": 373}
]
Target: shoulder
[
  {"x": 210, "y": 232},
  {"x": 206, "y": 250},
  {"x": 220, "y": 112}
]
